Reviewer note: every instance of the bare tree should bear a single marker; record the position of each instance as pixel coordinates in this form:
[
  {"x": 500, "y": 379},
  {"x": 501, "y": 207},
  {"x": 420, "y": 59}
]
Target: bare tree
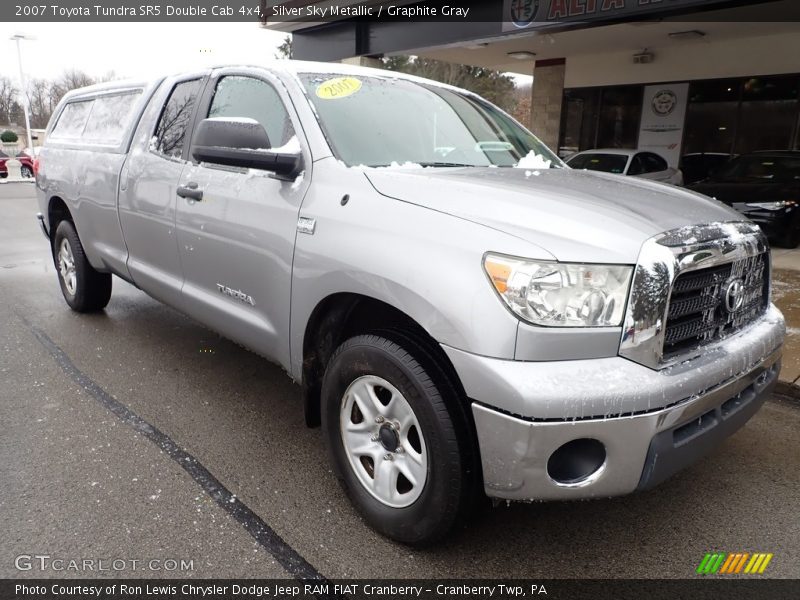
[
  {"x": 69, "y": 80},
  {"x": 8, "y": 95},
  {"x": 107, "y": 76},
  {"x": 39, "y": 102}
]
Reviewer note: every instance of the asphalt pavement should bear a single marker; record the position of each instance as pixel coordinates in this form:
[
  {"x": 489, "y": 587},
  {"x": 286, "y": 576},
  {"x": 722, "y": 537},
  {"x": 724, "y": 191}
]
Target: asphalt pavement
[{"x": 136, "y": 434}]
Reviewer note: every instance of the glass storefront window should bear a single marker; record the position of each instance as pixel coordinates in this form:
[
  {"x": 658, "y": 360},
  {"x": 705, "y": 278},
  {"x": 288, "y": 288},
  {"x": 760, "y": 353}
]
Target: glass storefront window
[
  {"x": 711, "y": 116},
  {"x": 620, "y": 113},
  {"x": 579, "y": 120},
  {"x": 723, "y": 116},
  {"x": 769, "y": 108}
]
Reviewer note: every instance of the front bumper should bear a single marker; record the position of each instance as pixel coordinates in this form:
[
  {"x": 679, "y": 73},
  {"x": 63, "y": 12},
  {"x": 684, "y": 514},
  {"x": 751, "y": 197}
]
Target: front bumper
[{"x": 650, "y": 423}]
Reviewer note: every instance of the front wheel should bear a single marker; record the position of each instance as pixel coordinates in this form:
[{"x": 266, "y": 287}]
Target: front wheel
[
  {"x": 84, "y": 288},
  {"x": 26, "y": 172},
  {"x": 394, "y": 438}
]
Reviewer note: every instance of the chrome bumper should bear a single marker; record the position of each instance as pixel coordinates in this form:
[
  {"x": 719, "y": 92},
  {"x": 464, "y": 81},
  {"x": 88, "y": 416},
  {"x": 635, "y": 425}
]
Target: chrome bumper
[{"x": 651, "y": 423}]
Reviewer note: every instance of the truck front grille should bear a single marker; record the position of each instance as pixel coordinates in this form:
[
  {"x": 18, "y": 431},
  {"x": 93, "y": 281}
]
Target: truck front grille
[{"x": 711, "y": 303}]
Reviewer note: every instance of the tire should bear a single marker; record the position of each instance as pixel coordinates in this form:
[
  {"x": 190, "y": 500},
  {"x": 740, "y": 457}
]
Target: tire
[
  {"x": 26, "y": 172},
  {"x": 417, "y": 426},
  {"x": 84, "y": 288}
]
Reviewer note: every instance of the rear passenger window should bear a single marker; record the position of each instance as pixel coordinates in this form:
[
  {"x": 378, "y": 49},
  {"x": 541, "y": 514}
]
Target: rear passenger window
[
  {"x": 248, "y": 97},
  {"x": 109, "y": 118},
  {"x": 175, "y": 117},
  {"x": 637, "y": 165},
  {"x": 655, "y": 163},
  {"x": 72, "y": 120}
]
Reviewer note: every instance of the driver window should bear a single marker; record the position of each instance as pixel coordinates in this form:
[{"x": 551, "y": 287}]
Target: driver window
[{"x": 237, "y": 96}]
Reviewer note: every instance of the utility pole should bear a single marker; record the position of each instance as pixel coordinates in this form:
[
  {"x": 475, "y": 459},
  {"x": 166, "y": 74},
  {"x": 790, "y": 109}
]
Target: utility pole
[{"x": 18, "y": 37}]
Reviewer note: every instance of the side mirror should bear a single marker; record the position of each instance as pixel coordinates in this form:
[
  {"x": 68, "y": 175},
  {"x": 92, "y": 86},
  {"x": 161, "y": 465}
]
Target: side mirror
[{"x": 242, "y": 143}]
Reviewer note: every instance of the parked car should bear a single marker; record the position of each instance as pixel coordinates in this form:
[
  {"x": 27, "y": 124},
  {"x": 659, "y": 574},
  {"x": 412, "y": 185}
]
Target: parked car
[
  {"x": 647, "y": 165},
  {"x": 26, "y": 166},
  {"x": 29, "y": 159},
  {"x": 697, "y": 166},
  {"x": 765, "y": 187},
  {"x": 466, "y": 316}
]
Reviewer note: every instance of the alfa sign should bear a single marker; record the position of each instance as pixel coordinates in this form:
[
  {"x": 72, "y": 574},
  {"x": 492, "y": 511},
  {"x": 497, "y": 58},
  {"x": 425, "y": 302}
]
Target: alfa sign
[{"x": 520, "y": 14}]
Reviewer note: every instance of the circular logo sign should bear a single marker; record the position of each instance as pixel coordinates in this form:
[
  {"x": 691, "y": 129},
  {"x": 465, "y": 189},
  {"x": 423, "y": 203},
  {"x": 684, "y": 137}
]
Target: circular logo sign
[
  {"x": 664, "y": 102},
  {"x": 734, "y": 295},
  {"x": 523, "y": 12}
]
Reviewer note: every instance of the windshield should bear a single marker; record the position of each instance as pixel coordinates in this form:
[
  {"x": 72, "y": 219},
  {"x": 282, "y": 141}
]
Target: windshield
[
  {"x": 381, "y": 122},
  {"x": 761, "y": 168},
  {"x": 609, "y": 163}
]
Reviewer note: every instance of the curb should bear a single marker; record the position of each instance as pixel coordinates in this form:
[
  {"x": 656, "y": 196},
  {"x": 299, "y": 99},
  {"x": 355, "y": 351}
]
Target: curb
[{"x": 788, "y": 390}]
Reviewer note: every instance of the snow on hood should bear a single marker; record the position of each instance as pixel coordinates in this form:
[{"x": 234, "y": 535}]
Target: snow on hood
[
  {"x": 577, "y": 216},
  {"x": 533, "y": 161}
]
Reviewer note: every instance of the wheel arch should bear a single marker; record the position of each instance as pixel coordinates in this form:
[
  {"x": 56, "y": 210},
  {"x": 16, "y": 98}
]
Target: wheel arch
[
  {"x": 57, "y": 211},
  {"x": 342, "y": 315}
]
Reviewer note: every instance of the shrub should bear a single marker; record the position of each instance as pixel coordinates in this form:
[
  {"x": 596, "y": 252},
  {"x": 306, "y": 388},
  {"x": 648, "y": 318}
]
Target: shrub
[{"x": 8, "y": 137}]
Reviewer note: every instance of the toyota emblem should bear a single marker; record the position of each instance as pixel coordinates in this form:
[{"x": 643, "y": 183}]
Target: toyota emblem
[{"x": 734, "y": 295}]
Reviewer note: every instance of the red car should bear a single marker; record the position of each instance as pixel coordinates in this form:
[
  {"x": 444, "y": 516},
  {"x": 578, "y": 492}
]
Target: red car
[{"x": 23, "y": 157}]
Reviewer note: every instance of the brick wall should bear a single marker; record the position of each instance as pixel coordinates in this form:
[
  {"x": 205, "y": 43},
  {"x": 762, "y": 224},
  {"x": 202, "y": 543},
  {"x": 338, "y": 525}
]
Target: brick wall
[{"x": 546, "y": 99}]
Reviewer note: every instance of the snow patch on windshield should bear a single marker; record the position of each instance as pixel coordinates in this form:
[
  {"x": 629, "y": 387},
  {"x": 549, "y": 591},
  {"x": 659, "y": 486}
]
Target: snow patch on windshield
[{"x": 533, "y": 161}]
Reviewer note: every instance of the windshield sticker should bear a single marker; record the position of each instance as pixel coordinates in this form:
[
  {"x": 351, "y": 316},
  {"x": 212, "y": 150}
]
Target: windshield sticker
[{"x": 341, "y": 87}]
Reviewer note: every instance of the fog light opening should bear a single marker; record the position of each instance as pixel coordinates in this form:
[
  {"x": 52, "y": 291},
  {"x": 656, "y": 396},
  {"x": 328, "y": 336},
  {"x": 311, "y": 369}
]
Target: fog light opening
[{"x": 576, "y": 462}]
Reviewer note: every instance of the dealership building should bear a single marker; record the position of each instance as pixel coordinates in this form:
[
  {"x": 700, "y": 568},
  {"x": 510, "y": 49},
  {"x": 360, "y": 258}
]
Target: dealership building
[{"x": 672, "y": 76}]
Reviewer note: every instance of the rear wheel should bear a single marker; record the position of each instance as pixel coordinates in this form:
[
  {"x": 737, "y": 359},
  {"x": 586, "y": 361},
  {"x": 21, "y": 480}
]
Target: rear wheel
[
  {"x": 84, "y": 288},
  {"x": 26, "y": 172},
  {"x": 395, "y": 439}
]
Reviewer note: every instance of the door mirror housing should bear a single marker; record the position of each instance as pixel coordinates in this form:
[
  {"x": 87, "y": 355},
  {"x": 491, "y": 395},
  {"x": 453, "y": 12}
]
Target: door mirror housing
[{"x": 242, "y": 142}]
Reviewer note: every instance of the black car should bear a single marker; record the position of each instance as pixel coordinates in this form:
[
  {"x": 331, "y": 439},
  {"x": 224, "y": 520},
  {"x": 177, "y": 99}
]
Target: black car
[
  {"x": 765, "y": 187},
  {"x": 701, "y": 165}
]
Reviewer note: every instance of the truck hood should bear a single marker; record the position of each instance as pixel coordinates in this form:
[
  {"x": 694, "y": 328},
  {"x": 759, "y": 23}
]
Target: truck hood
[{"x": 575, "y": 216}]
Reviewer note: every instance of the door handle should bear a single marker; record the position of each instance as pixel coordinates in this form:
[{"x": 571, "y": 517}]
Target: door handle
[{"x": 190, "y": 191}]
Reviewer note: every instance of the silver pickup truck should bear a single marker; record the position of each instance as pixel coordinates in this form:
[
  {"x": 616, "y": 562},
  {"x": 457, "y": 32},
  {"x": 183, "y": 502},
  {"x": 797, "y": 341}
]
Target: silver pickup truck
[{"x": 467, "y": 316}]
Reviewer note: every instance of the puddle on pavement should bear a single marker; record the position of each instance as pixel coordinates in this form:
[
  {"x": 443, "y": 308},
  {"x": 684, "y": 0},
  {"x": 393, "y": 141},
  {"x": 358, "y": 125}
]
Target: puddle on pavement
[{"x": 786, "y": 295}]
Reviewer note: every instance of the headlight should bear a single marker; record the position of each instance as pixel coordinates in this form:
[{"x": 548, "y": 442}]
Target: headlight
[
  {"x": 773, "y": 205},
  {"x": 561, "y": 294}
]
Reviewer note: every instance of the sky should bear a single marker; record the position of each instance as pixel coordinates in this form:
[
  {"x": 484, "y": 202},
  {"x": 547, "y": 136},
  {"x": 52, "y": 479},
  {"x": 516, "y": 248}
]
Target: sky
[{"x": 135, "y": 50}]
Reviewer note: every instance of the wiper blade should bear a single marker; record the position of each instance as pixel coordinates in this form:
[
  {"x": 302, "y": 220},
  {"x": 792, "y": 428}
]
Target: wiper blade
[
  {"x": 445, "y": 164},
  {"x": 421, "y": 164}
]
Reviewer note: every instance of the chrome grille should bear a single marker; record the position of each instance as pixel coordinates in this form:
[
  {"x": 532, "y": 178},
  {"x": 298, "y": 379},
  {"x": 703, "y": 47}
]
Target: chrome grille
[{"x": 703, "y": 305}]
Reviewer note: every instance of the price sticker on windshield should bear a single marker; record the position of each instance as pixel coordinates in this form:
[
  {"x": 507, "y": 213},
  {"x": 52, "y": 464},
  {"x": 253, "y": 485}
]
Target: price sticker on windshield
[{"x": 341, "y": 87}]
